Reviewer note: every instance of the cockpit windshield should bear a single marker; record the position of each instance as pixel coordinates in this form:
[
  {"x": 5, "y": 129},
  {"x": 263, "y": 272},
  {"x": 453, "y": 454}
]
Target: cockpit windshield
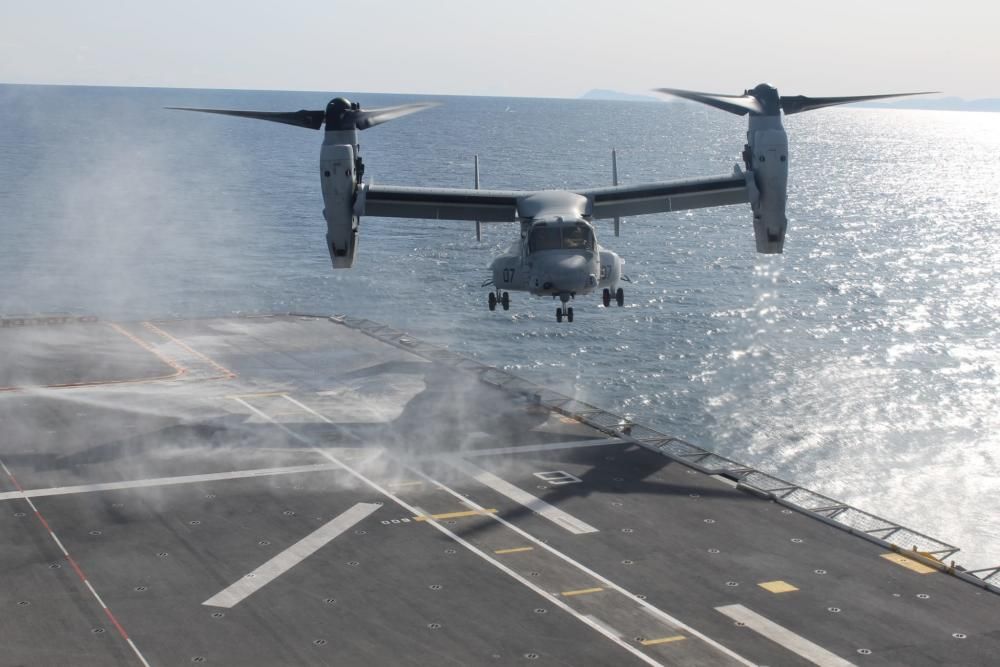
[{"x": 576, "y": 236}]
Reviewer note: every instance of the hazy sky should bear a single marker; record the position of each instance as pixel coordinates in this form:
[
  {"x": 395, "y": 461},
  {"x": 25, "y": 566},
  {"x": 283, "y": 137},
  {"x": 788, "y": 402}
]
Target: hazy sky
[{"x": 551, "y": 48}]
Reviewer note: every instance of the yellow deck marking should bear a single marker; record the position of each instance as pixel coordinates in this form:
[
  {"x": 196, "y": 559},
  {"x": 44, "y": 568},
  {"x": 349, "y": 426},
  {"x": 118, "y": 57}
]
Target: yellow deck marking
[
  {"x": 582, "y": 591},
  {"x": 909, "y": 563},
  {"x": 143, "y": 344},
  {"x": 778, "y": 586},
  {"x": 515, "y": 550},
  {"x": 219, "y": 367},
  {"x": 662, "y": 640},
  {"x": 454, "y": 515}
]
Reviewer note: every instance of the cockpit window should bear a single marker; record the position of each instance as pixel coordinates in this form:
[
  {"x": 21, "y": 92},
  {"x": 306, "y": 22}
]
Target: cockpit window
[
  {"x": 544, "y": 238},
  {"x": 577, "y": 236}
]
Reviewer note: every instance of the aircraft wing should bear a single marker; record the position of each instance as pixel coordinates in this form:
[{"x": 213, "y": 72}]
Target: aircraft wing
[
  {"x": 629, "y": 200},
  {"x": 439, "y": 203},
  {"x": 391, "y": 201}
]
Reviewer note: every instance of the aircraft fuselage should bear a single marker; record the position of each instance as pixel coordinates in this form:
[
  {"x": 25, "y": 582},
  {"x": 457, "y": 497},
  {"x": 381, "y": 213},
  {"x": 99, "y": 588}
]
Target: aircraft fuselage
[{"x": 557, "y": 254}]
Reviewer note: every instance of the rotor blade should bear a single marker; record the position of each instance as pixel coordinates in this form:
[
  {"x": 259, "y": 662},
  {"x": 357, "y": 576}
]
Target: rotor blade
[
  {"x": 737, "y": 104},
  {"x": 797, "y": 103},
  {"x": 302, "y": 118},
  {"x": 371, "y": 117}
]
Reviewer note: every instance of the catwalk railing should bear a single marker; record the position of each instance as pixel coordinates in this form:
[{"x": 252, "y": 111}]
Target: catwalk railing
[{"x": 892, "y": 535}]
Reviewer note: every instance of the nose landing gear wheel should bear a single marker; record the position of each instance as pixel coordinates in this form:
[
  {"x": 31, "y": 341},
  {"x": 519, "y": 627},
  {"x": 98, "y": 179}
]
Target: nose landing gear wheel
[
  {"x": 558, "y": 314},
  {"x": 620, "y": 297},
  {"x": 569, "y": 314},
  {"x": 606, "y": 297},
  {"x": 505, "y": 300},
  {"x": 493, "y": 301}
]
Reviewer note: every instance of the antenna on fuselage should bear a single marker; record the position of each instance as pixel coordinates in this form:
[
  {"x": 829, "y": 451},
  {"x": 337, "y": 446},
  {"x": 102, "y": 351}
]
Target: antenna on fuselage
[
  {"x": 479, "y": 227},
  {"x": 614, "y": 181}
]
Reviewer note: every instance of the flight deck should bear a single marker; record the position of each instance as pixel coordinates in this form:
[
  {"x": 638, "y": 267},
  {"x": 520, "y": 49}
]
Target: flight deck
[{"x": 308, "y": 490}]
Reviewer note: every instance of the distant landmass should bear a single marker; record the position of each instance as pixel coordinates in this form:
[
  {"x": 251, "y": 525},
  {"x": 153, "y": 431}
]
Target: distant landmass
[{"x": 931, "y": 104}]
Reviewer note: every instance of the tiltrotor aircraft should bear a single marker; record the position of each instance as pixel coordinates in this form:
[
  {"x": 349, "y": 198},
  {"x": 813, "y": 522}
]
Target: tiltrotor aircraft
[{"x": 557, "y": 254}]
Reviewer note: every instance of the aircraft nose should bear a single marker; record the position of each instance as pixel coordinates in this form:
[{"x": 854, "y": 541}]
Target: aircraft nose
[
  {"x": 572, "y": 263},
  {"x": 569, "y": 273}
]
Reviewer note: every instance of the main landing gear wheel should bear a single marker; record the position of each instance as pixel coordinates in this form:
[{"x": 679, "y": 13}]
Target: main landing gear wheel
[
  {"x": 562, "y": 310},
  {"x": 606, "y": 297},
  {"x": 620, "y": 297},
  {"x": 493, "y": 301},
  {"x": 505, "y": 300}
]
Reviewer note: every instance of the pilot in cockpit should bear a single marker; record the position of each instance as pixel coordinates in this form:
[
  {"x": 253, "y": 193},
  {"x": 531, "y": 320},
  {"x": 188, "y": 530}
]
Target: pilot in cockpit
[{"x": 577, "y": 237}]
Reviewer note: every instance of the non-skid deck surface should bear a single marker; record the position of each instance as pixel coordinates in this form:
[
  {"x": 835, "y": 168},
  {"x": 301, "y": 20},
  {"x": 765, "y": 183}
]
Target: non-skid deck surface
[{"x": 289, "y": 491}]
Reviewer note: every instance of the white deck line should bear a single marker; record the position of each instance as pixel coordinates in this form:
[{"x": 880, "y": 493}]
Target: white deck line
[
  {"x": 537, "y": 505},
  {"x": 86, "y": 581},
  {"x": 795, "y": 643},
  {"x": 290, "y": 557},
  {"x": 443, "y": 529},
  {"x": 544, "y": 447},
  {"x": 673, "y": 622},
  {"x": 604, "y": 625},
  {"x": 165, "y": 481}
]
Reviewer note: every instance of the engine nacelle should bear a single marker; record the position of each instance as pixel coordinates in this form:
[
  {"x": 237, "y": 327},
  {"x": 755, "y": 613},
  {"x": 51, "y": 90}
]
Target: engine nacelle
[
  {"x": 339, "y": 180},
  {"x": 611, "y": 269},
  {"x": 769, "y": 151}
]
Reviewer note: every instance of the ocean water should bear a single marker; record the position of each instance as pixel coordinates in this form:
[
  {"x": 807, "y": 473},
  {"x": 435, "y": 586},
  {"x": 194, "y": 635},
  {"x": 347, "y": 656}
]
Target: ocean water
[{"x": 863, "y": 363}]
